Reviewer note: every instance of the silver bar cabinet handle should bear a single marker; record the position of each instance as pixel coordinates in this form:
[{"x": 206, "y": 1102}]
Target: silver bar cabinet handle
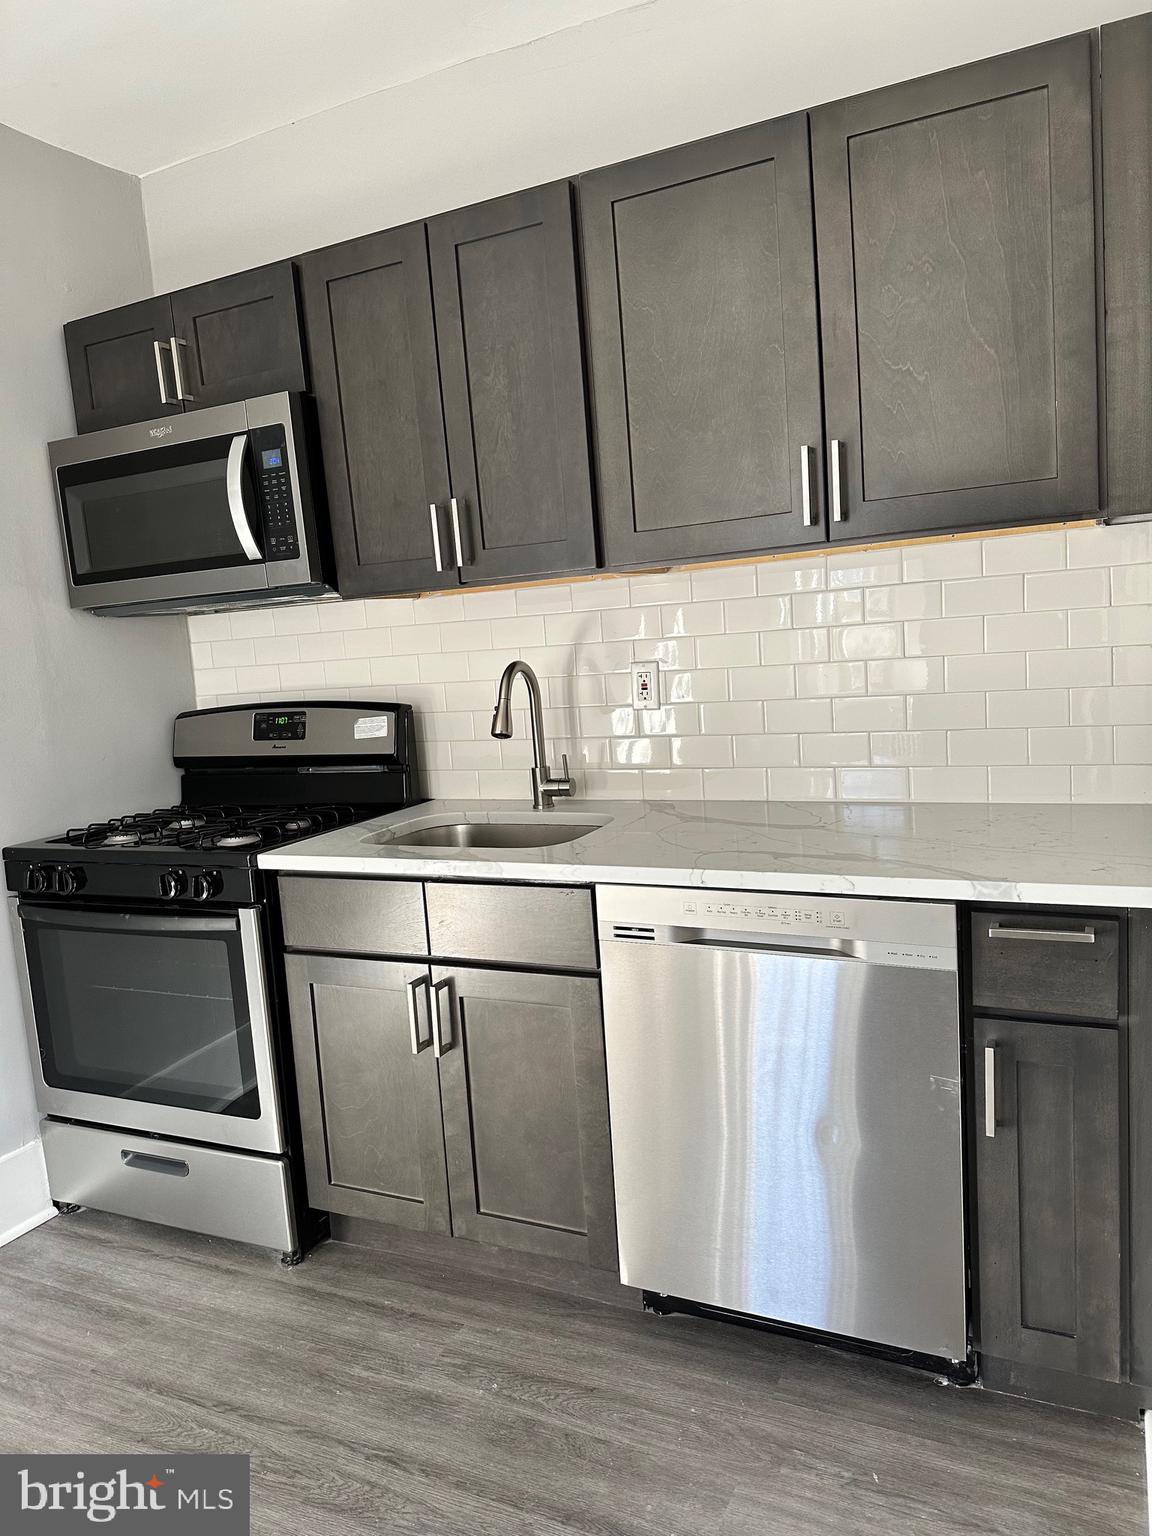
[
  {"x": 437, "y": 552},
  {"x": 806, "y": 484},
  {"x": 176, "y": 343},
  {"x": 417, "y": 985},
  {"x": 454, "y": 505},
  {"x": 440, "y": 1043},
  {"x": 835, "y": 449},
  {"x": 1046, "y": 935},
  {"x": 989, "y": 1090},
  {"x": 158, "y": 347}
]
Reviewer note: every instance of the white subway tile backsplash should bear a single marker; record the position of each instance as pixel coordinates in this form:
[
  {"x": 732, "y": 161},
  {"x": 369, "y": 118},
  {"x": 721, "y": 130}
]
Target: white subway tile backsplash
[
  {"x": 948, "y": 711},
  {"x": 1070, "y": 744},
  {"x": 872, "y": 783},
  {"x": 856, "y": 713},
  {"x": 942, "y": 562},
  {"x": 987, "y": 594},
  {"x": 1015, "y": 667},
  {"x": 944, "y": 637},
  {"x": 987, "y": 747},
  {"x": 1033, "y": 785},
  {"x": 1025, "y": 631},
  {"x": 1069, "y": 669},
  {"x": 834, "y": 750},
  {"x": 835, "y": 607},
  {"x": 1025, "y": 552},
  {"x": 866, "y": 642},
  {"x": 1028, "y": 706},
  {"x": 1066, "y": 589},
  {"x": 963, "y": 784}
]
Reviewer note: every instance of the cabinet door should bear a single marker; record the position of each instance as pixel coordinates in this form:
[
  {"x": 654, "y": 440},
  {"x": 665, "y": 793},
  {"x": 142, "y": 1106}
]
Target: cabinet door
[
  {"x": 372, "y": 341},
  {"x": 368, "y": 1089},
  {"x": 1048, "y": 1195},
  {"x": 525, "y": 1098},
  {"x": 508, "y": 322},
  {"x": 241, "y": 336},
  {"x": 701, "y": 288},
  {"x": 705, "y": 358},
  {"x": 1126, "y": 184},
  {"x": 956, "y": 244},
  {"x": 117, "y": 373}
]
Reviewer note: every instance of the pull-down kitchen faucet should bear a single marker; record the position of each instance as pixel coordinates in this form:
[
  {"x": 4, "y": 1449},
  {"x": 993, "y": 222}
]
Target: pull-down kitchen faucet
[{"x": 545, "y": 788}]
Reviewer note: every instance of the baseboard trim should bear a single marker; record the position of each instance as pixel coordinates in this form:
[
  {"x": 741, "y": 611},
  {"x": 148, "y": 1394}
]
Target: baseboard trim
[{"x": 24, "y": 1198}]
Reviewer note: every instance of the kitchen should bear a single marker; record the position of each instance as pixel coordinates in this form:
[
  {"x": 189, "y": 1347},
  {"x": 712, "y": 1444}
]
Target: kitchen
[{"x": 600, "y": 662}]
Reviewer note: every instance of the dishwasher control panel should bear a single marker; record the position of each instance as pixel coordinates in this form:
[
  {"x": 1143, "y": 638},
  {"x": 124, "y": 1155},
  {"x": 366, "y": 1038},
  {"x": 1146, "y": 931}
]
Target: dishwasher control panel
[{"x": 899, "y": 932}]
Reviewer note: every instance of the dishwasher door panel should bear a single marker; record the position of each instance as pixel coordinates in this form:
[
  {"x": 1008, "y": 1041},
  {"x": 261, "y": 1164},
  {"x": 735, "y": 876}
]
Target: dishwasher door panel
[{"x": 787, "y": 1140}]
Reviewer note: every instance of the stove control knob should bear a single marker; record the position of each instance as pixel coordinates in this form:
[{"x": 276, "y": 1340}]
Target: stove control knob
[
  {"x": 173, "y": 883},
  {"x": 69, "y": 880},
  {"x": 207, "y": 885},
  {"x": 37, "y": 881}
]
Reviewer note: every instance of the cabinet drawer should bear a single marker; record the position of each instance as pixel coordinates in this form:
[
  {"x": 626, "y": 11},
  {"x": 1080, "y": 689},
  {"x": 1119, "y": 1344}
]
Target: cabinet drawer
[
  {"x": 1067, "y": 964},
  {"x": 346, "y": 916},
  {"x": 513, "y": 925},
  {"x": 202, "y": 1189}
]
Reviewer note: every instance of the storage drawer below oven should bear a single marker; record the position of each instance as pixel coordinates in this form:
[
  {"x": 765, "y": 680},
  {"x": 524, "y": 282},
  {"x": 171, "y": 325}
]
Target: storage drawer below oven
[{"x": 201, "y": 1189}]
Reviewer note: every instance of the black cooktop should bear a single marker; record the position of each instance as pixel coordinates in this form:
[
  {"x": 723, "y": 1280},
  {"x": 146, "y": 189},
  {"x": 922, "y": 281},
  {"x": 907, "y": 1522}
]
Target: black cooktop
[{"x": 211, "y": 828}]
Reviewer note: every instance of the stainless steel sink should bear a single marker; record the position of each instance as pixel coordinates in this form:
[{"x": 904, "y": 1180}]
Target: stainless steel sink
[{"x": 492, "y": 834}]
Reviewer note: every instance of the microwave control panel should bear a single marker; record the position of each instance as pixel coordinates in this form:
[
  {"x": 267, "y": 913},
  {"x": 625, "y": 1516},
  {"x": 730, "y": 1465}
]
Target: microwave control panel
[{"x": 270, "y": 449}]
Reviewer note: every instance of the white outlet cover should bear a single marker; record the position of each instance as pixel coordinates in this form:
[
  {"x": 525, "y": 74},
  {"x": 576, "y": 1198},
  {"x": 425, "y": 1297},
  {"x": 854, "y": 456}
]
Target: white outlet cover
[{"x": 646, "y": 684}]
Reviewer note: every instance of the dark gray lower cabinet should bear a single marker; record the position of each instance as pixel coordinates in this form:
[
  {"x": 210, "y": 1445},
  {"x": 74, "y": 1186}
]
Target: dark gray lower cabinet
[
  {"x": 522, "y": 1082},
  {"x": 369, "y": 1089},
  {"x": 1049, "y": 1226},
  {"x": 456, "y": 1100}
]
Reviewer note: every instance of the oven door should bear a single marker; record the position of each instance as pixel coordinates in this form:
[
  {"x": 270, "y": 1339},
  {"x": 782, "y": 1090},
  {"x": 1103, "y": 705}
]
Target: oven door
[
  {"x": 155, "y": 1023},
  {"x": 147, "y": 518}
]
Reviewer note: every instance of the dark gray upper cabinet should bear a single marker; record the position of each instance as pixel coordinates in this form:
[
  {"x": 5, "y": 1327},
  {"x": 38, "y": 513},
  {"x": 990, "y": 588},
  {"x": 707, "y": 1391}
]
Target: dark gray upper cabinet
[
  {"x": 119, "y": 367},
  {"x": 525, "y": 1103},
  {"x": 956, "y": 241},
  {"x": 511, "y": 365},
  {"x": 1049, "y": 1223},
  {"x": 239, "y": 337},
  {"x": 372, "y": 342},
  {"x": 1126, "y": 184},
  {"x": 226, "y": 340},
  {"x": 368, "y": 1089},
  {"x": 701, "y": 303}
]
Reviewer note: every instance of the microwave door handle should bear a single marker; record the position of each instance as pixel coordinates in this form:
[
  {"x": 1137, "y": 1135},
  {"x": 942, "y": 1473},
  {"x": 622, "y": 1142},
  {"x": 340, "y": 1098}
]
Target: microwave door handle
[{"x": 236, "y": 497}]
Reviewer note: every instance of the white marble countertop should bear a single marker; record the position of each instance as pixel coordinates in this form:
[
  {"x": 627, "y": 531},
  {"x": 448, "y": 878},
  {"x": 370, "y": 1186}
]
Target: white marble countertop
[{"x": 1092, "y": 855}]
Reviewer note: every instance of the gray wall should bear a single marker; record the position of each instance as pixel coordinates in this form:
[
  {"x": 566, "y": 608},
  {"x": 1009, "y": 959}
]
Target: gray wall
[
  {"x": 656, "y": 74},
  {"x": 85, "y": 703}
]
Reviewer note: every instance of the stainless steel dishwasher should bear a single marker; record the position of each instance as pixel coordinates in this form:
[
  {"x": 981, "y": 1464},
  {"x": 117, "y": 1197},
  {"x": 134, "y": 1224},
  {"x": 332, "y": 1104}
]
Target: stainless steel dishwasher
[{"x": 784, "y": 1081}]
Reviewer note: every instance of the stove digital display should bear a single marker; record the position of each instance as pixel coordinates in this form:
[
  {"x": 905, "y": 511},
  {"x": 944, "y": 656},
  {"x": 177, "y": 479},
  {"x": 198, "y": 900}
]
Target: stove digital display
[{"x": 272, "y": 727}]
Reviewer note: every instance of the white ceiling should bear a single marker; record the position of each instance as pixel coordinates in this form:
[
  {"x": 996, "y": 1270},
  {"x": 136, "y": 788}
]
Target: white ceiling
[{"x": 141, "y": 84}]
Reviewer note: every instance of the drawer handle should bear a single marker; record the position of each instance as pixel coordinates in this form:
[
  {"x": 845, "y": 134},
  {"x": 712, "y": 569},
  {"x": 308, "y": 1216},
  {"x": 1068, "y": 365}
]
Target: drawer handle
[
  {"x": 1048, "y": 935},
  {"x": 989, "y": 1090},
  {"x": 147, "y": 1162}
]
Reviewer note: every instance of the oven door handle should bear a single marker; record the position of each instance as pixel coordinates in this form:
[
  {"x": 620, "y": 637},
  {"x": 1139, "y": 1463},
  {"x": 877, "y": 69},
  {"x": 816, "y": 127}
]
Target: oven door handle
[
  {"x": 125, "y": 922},
  {"x": 236, "y": 497}
]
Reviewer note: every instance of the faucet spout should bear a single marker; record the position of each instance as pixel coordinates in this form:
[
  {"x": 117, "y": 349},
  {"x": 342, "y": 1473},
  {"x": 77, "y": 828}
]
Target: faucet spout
[{"x": 546, "y": 786}]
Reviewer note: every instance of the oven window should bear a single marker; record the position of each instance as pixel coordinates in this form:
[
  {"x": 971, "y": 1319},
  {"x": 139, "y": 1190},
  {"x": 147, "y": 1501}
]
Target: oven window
[
  {"x": 155, "y": 513},
  {"x": 159, "y": 1017}
]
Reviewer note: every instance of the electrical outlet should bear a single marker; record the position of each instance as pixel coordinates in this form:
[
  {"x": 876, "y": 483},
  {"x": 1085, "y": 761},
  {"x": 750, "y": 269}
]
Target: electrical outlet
[{"x": 646, "y": 684}]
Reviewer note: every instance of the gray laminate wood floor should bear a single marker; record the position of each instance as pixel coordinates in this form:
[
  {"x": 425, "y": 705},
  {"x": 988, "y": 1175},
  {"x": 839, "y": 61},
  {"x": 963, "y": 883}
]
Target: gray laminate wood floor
[{"x": 449, "y": 1391}]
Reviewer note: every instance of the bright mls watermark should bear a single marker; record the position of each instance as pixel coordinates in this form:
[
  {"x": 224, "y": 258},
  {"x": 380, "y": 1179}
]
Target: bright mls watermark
[{"x": 188, "y": 1495}]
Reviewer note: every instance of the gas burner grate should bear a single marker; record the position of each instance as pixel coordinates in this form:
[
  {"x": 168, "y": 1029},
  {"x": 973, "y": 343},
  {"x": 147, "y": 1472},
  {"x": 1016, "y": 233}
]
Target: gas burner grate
[{"x": 205, "y": 827}]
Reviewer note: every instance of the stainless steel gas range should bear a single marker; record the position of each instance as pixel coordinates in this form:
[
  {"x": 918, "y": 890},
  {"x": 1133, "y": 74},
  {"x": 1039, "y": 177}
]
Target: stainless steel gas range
[{"x": 153, "y": 992}]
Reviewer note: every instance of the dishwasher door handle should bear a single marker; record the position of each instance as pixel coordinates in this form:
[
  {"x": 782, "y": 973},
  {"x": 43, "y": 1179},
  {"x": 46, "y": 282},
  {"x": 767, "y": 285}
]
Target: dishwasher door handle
[{"x": 725, "y": 938}]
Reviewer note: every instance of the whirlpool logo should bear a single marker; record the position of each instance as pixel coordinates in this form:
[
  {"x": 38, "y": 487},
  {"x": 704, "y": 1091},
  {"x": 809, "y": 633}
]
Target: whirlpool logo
[{"x": 205, "y": 1494}]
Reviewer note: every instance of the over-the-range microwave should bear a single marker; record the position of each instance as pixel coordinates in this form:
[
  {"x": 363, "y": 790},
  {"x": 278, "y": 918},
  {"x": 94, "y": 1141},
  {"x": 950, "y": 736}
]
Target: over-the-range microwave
[{"x": 193, "y": 513}]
